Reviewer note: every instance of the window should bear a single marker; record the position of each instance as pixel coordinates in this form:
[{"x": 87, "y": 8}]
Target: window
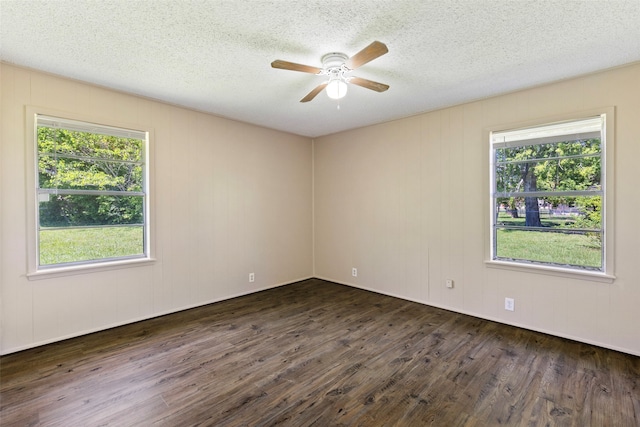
[
  {"x": 91, "y": 193},
  {"x": 548, "y": 195}
]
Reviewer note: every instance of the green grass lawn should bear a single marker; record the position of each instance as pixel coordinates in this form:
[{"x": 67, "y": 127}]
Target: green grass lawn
[
  {"x": 549, "y": 247},
  {"x": 546, "y": 220},
  {"x": 558, "y": 248},
  {"x": 59, "y": 246}
]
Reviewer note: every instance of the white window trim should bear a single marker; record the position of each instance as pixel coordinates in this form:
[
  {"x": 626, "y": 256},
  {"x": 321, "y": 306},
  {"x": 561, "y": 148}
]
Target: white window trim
[
  {"x": 33, "y": 272},
  {"x": 608, "y": 150}
]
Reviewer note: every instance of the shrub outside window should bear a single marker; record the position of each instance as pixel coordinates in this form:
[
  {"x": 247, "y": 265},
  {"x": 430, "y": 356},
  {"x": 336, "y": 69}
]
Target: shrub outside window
[
  {"x": 91, "y": 190},
  {"x": 548, "y": 195}
]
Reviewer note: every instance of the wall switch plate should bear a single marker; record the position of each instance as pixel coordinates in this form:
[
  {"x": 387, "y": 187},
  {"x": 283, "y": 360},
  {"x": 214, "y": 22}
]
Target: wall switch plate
[
  {"x": 509, "y": 304},
  {"x": 354, "y": 272},
  {"x": 252, "y": 277},
  {"x": 449, "y": 283}
]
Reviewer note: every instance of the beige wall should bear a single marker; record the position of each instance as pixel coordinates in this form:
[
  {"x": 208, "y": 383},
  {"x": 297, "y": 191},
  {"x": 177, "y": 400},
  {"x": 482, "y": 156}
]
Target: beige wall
[
  {"x": 230, "y": 199},
  {"x": 406, "y": 203}
]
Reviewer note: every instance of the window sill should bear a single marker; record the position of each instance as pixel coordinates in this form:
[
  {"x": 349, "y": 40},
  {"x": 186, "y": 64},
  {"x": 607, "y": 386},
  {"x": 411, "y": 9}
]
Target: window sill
[
  {"x": 594, "y": 276},
  {"x": 88, "y": 268}
]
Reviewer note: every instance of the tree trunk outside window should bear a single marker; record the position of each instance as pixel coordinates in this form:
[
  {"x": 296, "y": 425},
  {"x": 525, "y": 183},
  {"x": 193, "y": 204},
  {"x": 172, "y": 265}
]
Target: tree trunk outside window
[{"x": 532, "y": 210}]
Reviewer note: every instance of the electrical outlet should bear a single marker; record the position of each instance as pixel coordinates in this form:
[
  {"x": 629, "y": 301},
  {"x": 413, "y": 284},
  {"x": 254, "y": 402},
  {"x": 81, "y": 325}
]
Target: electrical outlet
[
  {"x": 252, "y": 277},
  {"x": 509, "y": 304},
  {"x": 449, "y": 283},
  {"x": 354, "y": 272}
]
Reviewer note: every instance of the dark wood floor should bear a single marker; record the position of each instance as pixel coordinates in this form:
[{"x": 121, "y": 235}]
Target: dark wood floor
[{"x": 316, "y": 353}]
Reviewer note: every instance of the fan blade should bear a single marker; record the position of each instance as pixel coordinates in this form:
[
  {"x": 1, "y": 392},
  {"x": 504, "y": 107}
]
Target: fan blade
[
  {"x": 378, "y": 87},
  {"x": 367, "y": 54},
  {"x": 314, "y": 92},
  {"x": 285, "y": 65}
]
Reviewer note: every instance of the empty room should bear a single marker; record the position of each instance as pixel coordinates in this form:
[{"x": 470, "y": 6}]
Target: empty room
[{"x": 319, "y": 213}]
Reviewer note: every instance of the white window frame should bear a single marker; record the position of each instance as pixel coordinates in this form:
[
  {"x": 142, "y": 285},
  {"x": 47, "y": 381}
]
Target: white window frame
[
  {"x": 608, "y": 142},
  {"x": 34, "y": 270}
]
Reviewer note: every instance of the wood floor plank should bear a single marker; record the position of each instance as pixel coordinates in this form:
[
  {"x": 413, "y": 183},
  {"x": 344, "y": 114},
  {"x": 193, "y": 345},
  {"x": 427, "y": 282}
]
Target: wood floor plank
[{"x": 315, "y": 353}]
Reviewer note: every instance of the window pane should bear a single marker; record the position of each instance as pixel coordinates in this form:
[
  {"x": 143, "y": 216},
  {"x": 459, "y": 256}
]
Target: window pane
[
  {"x": 548, "y": 193},
  {"x": 556, "y": 213},
  {"x": 558, "y": 166},
  {"x": 59, "y": 246},
  {"x": 86, "y": 161},
  {"x": 80, "y": 174},
  {"x": 87, "y": 144},
  {"x": 56, "y": 210},
  {"x": 575, "y": 249},
  {"x": 562, "y": 231},
  {"x": 91, "y": 192}
]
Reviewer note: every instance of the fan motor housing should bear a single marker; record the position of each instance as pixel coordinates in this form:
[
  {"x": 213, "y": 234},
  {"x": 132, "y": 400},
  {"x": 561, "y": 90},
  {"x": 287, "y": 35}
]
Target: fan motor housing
[{"x": 333, "y": 60}]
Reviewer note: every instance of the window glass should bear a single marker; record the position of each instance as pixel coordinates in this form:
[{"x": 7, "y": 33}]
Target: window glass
[
  {"x": 547, "y": 195},
  {"x": 91, "y": 192}
]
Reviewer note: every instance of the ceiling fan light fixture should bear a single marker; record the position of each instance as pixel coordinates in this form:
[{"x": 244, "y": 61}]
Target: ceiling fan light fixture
[
  {"x": 338, "y": 66},
  {"x": 336, "y": 89}
]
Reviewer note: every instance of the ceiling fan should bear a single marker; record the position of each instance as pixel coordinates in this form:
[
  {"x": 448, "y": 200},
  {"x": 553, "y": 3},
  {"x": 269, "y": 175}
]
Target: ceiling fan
[{"x": 337, "y": 66}]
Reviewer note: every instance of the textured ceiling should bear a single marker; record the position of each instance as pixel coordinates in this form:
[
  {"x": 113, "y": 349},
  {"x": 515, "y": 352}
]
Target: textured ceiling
[{"x": 215, "y": 55}]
